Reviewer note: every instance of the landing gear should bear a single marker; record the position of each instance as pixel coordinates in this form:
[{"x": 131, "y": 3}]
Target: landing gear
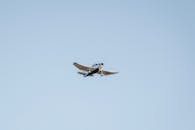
[{"x": 101, "y": 73}]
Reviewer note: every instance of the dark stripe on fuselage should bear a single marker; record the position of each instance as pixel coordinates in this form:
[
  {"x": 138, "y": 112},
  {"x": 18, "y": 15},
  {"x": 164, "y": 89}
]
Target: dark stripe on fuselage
[{"x": 92, "y": 72}]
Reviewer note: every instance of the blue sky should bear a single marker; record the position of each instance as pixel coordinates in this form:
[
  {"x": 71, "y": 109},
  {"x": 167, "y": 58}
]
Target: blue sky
[{"x": 151, "y": 44}]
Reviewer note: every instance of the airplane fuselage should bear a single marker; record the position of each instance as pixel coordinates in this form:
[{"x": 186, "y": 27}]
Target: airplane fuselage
[{"x": 97, "y": 70}]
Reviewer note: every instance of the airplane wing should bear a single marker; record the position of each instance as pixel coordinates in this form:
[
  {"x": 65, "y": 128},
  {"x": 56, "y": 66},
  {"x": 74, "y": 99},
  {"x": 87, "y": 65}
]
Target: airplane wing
[
  {"x": 82, "y": 67},
  {"x": 107, "y": 72}
]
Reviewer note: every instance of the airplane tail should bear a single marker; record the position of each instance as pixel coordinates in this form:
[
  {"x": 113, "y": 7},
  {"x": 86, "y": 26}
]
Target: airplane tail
[{"x": 84, "y": 74}]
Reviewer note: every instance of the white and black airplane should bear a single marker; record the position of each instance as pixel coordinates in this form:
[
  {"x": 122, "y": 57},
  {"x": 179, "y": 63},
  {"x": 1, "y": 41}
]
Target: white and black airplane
[{"x": 94, "y": 69}]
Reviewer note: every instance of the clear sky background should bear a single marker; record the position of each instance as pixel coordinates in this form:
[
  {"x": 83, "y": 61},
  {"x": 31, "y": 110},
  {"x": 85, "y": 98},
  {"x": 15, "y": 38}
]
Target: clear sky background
[{"x": 151, "y": 43}]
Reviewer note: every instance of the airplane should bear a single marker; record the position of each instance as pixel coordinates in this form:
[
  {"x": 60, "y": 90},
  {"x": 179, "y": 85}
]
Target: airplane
[{"x": 94, "y": 69}]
